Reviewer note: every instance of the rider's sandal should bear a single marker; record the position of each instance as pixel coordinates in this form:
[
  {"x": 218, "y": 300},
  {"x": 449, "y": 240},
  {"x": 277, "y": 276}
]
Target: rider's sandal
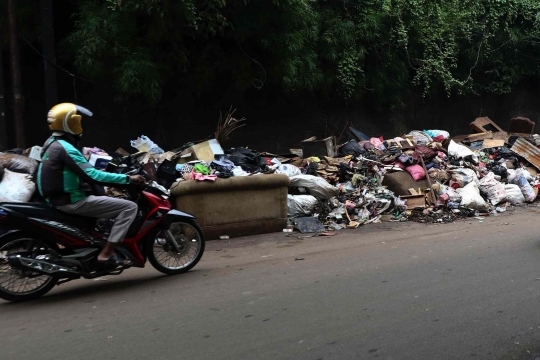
[{"x": 114, "y": 261}]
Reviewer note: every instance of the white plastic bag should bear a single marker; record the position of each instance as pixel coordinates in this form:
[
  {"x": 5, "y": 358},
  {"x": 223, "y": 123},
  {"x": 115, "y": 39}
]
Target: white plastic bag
[
  {"x": 471, "y": 197},
  {"x": 144, "y": 144},
  {"x": 300, "y": 205},
  {"x": 492, "y": 189},
  {"x": 420, "y": 137},
  {"x": 513, "y": 194},
  {"x": 16, "y": 187},
  {"x": 316, "y": 186},
  {"x": 460, "y": 151},
  {"x": 289, "y": 170},
  {"x": 463, "y": 176},
  {"x": 520, "y": 179},
  {"x": 435, "y": 133}
]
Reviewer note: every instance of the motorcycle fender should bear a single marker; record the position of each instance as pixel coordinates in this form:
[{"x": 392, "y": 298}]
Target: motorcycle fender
[
  {"x": 175, "y": 216},
  {"x": 9, "y": 232}
]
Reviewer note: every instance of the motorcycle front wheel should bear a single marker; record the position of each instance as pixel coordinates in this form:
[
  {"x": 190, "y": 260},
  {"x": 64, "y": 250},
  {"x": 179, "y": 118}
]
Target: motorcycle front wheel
[
  {"x": 16, "y": 284},
  {"x": 170, "y": 258}
]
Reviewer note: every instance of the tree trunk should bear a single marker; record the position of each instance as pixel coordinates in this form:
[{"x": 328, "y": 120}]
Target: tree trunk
[
  {"x": 3, "y": 135},
  {"x": 18, "y": 114}
]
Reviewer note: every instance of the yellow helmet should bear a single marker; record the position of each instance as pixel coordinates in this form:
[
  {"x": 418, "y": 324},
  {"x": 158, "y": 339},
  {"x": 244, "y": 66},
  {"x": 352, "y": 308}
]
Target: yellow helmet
[{"x": 64, "y": 117}]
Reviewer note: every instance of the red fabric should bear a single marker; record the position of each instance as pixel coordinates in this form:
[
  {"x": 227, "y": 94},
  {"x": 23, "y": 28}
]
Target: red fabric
[{"x": 439, "y": 138}]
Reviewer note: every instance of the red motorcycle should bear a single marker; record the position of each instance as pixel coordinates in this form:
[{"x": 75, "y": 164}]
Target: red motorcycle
[{"x": 44, "y": 247}]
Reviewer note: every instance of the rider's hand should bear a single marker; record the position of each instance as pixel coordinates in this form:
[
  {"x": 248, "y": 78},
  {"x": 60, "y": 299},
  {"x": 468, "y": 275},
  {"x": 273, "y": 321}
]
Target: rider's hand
[{"x": 137, "y": 179}]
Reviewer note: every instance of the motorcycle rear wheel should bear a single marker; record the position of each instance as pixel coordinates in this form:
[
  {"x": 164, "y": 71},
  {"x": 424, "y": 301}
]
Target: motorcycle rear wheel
[
  {"x": 190, "y": 240},
  {"x": 17, "y": 285}
]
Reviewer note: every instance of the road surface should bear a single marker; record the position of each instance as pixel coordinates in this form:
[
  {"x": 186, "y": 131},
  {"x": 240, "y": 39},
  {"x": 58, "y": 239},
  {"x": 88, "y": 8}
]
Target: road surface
[{"x": 467, "y": 290}]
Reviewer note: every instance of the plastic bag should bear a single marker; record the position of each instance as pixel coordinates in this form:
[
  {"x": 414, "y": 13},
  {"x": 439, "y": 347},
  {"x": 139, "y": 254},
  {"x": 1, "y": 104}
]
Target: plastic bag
[
  {"x": 463, "y": 177},
  {"x": 316, "y": 186},
  {"x": 438, "y": 175},
  {"x": 18, "y": 163},
  {"x": 420, "y": 137},
  {"x": 459, "y": 151},
  {"x": 222, "y": 165},
  {"x": 289, "y": 170},
  {"x": 245, "y": 158},
  {"x": 377, "y": 143},
  {"x": 513, "y": 194},
  {"x": 352, "y": 148},
  {"x": 520, "y": 179},
  {"x": 436, "y": 133},
  {"x": 16, "y": 187},
  {"x": 417, "y": 172},
  {"x": 144, "y": 144},
  {"x": 492, "y": 189},
  {"x": 471, "y": 197},
  {"x": 300, "y": 205}
]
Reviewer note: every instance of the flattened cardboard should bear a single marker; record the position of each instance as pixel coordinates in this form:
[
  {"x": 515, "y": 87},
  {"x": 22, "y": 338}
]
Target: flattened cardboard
[
  {"x": 204, "y": 151},
  {"x": 414, "y": 201}
]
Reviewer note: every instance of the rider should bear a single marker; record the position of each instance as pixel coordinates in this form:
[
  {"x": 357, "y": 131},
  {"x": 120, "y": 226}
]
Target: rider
[{"x": 64, "y": 174}]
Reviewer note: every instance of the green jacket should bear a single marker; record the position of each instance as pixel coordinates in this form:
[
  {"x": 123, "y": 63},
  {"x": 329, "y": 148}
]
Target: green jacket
[{"x": 61, "y": 170}]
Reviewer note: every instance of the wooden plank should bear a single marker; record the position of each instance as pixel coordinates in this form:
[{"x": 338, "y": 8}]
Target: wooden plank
[{"x": 491, "y": 143}]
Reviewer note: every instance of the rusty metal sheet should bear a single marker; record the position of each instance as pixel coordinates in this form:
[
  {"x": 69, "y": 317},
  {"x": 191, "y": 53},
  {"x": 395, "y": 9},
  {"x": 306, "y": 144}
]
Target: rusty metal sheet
[{"x": 528, "y": 151}]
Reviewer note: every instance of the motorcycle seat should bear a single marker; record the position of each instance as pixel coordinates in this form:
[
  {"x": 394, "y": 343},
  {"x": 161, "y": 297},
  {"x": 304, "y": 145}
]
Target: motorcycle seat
[{"x": 46, "y": 211}]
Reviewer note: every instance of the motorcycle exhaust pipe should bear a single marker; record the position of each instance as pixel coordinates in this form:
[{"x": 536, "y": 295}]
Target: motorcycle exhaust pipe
[{"x": 43, "y": 267}]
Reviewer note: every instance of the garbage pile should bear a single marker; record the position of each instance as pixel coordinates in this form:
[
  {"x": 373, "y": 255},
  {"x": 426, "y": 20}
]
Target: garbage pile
[{"x": 425, "y": 176}]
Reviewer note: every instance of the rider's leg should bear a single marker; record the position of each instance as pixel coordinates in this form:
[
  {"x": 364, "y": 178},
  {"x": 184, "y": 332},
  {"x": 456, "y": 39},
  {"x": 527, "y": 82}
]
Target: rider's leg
[{"x": 123, "y": 212}]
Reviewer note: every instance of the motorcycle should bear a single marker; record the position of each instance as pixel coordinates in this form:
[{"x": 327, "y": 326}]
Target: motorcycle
[{"x": 44, "y": 247}]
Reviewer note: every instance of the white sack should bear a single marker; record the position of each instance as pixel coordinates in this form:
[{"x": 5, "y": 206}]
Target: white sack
[
  {"x": 492, "y": 189},
  {"x": 463, "y": 176},
  {"x": 460, "y": 151},
  {"x": 471, "y": 197},
  {"x": 513, "y": 194},
  {"x": 300, "y": 205},
  {"x": 316, "y": 186},
  {"x": 520, "y": 179},
  {"x": 289, "y": 170},
  {"x": 16, "y": 187}
]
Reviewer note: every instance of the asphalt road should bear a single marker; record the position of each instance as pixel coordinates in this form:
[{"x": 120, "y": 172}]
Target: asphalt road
[{"x": 468, "y": 290}]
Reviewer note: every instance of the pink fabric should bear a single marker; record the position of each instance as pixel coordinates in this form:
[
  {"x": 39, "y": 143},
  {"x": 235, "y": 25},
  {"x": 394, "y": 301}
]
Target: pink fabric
[
  {"x": 200, "y": 177},
  {"x": 376, "y": 142},
  {"x": 417, "y": 172}
]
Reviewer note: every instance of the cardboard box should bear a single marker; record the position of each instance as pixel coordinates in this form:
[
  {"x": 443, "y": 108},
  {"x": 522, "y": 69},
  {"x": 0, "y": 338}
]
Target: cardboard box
[
  {"x": 319, "y": 148},
  {"x": 99, "y": 161},
  {"x": 204, "y": 151}
]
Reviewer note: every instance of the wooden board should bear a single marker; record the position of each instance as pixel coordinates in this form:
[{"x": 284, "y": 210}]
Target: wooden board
[
  {"x": 491, "y": 143},
  {"x": 414, "y": 201}
]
